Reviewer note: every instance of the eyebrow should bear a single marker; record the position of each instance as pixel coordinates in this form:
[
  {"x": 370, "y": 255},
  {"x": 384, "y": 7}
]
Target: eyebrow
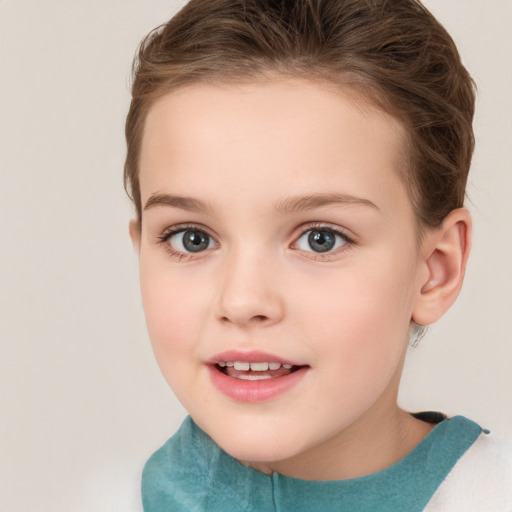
[
  {"x": 292, "y": 204},
  {"x": 183, "y": 203},
  {"x": 312, "y": 201}
]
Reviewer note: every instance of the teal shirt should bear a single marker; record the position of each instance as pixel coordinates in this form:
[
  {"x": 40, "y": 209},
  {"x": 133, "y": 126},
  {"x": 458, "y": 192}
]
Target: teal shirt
[{"x": 191, "y": 473}]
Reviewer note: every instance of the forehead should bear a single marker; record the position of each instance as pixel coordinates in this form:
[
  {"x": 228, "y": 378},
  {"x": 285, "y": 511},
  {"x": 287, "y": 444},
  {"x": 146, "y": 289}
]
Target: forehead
[{"x": 270, "y": 138}]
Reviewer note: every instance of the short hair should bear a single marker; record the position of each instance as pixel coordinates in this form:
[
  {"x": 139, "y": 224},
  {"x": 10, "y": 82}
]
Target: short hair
[{"x": 393, "y": 52}]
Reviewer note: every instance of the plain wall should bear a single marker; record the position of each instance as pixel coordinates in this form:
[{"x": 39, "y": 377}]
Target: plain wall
[{"x": 82, "y": 402}]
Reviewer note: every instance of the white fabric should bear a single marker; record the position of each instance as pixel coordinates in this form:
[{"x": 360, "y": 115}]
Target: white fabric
[{"x": 481, "y": 481}]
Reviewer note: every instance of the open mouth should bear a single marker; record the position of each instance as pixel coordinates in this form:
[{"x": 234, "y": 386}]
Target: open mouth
[
  {"x": 254, "y": 376},
  {"x": 262, "y": 370}
]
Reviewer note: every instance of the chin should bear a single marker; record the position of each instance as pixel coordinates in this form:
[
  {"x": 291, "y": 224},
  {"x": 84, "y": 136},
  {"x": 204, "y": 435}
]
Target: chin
[{"x": 254, "y": 444}]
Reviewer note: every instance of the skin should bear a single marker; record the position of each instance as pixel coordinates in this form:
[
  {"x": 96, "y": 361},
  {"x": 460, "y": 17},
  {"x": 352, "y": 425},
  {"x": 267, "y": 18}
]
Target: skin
[{"x": 241, "y": 150}]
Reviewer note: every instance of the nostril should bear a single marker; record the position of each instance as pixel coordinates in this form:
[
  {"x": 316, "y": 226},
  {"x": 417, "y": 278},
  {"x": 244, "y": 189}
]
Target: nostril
[{"x": 255, "y": 319}]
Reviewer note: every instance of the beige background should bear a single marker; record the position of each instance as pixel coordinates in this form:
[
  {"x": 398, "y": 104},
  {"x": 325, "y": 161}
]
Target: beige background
[{"x": 82, "y": 403}]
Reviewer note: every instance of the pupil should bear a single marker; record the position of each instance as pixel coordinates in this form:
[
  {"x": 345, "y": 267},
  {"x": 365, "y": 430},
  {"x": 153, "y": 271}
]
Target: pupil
[
  {"x": 321, "y": 241},
  {"x": 195, "y": 241}
]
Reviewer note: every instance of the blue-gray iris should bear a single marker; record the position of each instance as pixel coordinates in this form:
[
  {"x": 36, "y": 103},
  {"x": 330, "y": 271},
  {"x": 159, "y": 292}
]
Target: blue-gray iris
[
  {"x": 195, "y": 241},
  {"x": 321, "y": 241}
]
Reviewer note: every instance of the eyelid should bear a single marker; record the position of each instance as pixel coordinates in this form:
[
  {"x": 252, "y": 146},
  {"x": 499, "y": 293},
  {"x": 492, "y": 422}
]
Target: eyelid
[
  {"x": 318, "y": 225},
  {"x": 337, "y": 230},
  {"x": 351, "y": 240},
  {"x": 170, "y": 231},
  {"x": 186, "y": 226}
]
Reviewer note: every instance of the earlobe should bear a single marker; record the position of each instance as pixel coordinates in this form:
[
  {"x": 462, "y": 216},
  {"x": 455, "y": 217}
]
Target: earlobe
[
  {"x": 446, "y": 254},
  {"x": 135, "y": 233}
]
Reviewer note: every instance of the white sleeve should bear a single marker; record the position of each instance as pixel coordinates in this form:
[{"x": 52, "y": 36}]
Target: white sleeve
[{"x": 481, "y": 480}]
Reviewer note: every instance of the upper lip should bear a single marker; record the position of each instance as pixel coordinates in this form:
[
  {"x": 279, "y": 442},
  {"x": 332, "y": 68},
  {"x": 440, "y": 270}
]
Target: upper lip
[{"x": 250, "y": 356}]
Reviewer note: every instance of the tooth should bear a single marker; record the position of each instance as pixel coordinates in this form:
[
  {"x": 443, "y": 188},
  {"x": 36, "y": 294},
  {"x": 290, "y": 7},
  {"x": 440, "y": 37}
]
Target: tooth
[
  {"x": 259, "y": 367},
  {"x": 249, "y": 376},
  {"x": 287, "y": 366},
  {"x": 221, "y": 364},
  {"x": 274, "y": 366},
  {"x": 241, "y": 366},
  {"x": 229, "y": 364}
]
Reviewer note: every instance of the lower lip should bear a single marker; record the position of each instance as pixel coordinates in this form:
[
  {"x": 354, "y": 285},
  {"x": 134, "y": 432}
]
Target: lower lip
[{"x": 254, "y": 390}]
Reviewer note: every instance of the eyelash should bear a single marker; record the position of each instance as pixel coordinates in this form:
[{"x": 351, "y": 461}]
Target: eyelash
[
  {"x": 349, "y": 241},
  {"x": 180, "y": 228}
]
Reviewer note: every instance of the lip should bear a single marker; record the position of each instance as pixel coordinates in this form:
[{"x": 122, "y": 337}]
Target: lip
[
  {"x": 252, "y": 391},
  {"x": 250, "y": 356}
]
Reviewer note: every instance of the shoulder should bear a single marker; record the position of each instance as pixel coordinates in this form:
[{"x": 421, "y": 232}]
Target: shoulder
[{"x": 480, "y": 480}]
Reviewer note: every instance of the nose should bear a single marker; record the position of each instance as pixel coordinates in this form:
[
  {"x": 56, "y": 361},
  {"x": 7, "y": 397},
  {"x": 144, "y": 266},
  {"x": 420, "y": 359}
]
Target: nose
[{"x": 249, "y": 292}]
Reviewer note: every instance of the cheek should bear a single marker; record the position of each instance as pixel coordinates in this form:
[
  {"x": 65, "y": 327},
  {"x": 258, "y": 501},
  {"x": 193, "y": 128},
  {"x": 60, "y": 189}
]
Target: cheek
[
  {"x": 172, "y": 317},
  {"x": 358, "y": 341},
  {"x": 359, "y": 317}
]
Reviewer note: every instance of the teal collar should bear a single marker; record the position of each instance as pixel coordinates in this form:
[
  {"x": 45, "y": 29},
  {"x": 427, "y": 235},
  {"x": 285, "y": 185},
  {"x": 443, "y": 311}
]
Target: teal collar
[
  {"x": 406, "y": 485},
  {"x": 190, "y": 473}
]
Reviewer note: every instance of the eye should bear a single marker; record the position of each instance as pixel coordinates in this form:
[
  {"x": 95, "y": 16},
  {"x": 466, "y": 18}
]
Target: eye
[
  {"x": 321, "y": 240},
  {"x": 190, "y": 240}
]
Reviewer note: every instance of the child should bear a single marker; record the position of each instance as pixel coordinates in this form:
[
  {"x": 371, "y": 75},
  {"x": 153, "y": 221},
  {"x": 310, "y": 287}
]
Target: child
[{"x": 298, "y": 169}]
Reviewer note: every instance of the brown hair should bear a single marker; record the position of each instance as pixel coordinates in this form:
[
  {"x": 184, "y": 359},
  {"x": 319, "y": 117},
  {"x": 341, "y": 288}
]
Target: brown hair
[{"x": 393, "y": 51}]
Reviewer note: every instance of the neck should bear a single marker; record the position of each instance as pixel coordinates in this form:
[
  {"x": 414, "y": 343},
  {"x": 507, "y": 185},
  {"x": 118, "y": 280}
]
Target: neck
[{"x": 374, "y": 442}]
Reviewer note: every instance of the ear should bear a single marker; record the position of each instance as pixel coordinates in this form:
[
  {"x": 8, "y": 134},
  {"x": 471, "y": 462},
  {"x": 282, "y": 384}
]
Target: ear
[
  {"x": 135, "y": 233},
  {"x": 446, "y": 252}
]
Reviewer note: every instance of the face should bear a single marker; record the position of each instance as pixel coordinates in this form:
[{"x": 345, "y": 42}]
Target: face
[{"x": 279, "y": 263}]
